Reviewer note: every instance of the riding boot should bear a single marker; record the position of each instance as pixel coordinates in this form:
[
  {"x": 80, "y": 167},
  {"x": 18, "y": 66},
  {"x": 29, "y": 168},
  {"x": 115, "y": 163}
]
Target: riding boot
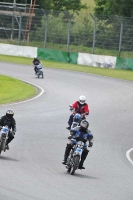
[
  {"x": 70, "y": 120},
  {"x": 67, "y": 151},
  {"x": 7, "y": 142},
  {"x": 10, "y": 138},
  {"x": 83, "y": 157}
]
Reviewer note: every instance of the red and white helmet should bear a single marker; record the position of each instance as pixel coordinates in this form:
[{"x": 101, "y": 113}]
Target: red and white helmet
[{"x": 82, "y": 99}]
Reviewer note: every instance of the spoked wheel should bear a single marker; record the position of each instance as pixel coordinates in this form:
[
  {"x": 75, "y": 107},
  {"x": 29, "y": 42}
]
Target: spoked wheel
[
  {"x": 1, "y": 145},
  {"x": 76, "y": 164},
  {"x": 69, "y": 160},
  {"x": 0, "y": 149},
  {"x": 69, "y": 169},
  {"x": 42, "y": 74}
]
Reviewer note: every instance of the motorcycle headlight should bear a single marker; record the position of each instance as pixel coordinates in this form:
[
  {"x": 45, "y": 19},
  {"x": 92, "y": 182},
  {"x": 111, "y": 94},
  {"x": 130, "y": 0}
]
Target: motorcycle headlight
[{"x": 80, "y": 146}]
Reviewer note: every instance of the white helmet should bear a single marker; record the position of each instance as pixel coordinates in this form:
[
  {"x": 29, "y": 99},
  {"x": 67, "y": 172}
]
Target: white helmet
[{"x": 82, "y": 99}]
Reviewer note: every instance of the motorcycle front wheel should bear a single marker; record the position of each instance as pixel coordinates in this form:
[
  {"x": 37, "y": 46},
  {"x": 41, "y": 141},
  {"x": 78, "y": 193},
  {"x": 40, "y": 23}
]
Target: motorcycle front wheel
[
  {"x": 69, "y": 169},
  {"x": 1, "y": 145},
  {"x": 75, "y": 165},
  {"x": 42, "y": 75}
]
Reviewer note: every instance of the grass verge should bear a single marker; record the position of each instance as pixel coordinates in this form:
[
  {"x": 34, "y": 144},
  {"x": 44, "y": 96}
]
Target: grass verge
[
  {"x": 116, "y": 73},
  {"x": 13, "y": 90}
]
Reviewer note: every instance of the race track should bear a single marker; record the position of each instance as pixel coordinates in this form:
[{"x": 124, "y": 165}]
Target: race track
[{"x": 32, "y": 169}]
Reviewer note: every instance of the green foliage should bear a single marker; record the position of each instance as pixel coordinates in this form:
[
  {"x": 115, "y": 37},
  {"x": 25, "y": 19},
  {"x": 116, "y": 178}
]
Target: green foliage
[
  {"x": 57, "y": 31},
  {"x": 59, "y": 5},
  {"x": 81, "y": 32},
  {"x": 115, "y": 7}
]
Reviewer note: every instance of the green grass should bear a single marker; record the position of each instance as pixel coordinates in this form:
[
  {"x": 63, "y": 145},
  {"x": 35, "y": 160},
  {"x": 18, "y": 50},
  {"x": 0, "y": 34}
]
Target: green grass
[
  {"x": 116, "y": 73},
  {"x": 74, "y": 48},
  {"x": 13, "y": 90}
]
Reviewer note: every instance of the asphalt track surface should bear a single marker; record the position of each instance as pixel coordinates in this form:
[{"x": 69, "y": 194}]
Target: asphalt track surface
[{"x": 32, "y": 169}]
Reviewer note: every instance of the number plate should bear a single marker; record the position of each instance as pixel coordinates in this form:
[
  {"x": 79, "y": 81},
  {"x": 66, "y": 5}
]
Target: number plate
[{"x": 78, "y": 150}]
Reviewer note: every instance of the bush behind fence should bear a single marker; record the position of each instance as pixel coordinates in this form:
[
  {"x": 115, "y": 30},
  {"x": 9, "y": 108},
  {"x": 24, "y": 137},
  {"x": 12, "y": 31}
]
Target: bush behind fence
[{"x": 65, "y": 31}]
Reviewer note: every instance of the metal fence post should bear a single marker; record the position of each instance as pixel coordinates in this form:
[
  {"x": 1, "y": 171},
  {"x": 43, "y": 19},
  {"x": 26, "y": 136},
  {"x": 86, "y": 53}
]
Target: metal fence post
[
  {"x": 12, "y": 31},
  {"x": 46, "y": 28},
  {"x": 94, "y": 35},
  {"x": 121, "y": 34},
  {"x": 69, "y": 29},
  {"x": 68, "y": 36},
  {"x": 20, "y": 23}
]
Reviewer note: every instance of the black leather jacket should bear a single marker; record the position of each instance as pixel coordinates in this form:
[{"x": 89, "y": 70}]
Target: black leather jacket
[
  {"x": 36, "y": 62},
  {"x": 10, "y": 123}
]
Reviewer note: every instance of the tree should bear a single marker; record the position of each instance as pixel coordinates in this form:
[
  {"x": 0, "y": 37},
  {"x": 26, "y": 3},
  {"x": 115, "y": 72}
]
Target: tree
[
  {"x": 74, "y": 5},
  {"x": 114, "y": 7},
  {"x": 58, "y": 5}
]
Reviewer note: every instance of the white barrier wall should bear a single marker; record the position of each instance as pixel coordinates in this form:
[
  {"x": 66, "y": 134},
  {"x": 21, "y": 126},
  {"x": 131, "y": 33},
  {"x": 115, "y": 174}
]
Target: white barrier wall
[
  {"x": 83, "y": 58},
  {"x": 15, "y": 50},
  {"x": 96, "y": 60}
]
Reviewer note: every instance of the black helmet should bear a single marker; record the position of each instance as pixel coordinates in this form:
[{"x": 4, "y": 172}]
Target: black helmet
[
  {"x": 84, "y": 124},
  {"x": 9, "y": 114}
]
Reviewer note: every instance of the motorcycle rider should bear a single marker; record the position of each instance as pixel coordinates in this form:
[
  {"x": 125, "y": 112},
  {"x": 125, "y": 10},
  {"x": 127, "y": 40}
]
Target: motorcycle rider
[
  {"x": 36, "y": 62},
  {"x": 80, "y": 107},
  {"x": 8, "y": 120},
  {"x": 79, "y": 133}
]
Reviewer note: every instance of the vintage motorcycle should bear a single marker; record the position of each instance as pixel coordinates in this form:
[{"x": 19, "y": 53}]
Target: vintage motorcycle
[
  {"x": 39, "y": 71},
  {"x": 3, "y": 138},
  {"x": 74, "y": 157},
  {"x": 77, "y": 118}
]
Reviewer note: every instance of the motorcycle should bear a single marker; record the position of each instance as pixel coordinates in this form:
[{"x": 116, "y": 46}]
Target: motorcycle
[
  {"x": 77, "y": 118},
  {"x": 3, "y": 138},
  {"x": 74, "y": 157},
  {"x": 39, "y": 71}
]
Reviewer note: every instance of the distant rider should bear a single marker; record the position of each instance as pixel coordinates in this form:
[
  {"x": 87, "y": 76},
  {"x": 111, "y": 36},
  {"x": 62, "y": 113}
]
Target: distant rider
[
  {"x": 79, "y": 107},
  {"x": 79, "y": 133},
  {"x": 11, "y": 123},
  {"x": 36, "y": 62}
]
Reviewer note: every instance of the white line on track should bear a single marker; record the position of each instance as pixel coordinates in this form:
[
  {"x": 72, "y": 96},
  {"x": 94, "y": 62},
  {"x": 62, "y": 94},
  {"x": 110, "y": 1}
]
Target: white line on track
[
  {"x": 41, "y": 89},
  {"x": 128, "y": 155}
]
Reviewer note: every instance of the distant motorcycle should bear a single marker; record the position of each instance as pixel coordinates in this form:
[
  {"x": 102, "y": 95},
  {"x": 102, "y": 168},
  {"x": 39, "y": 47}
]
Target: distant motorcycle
[
  {"x": 39, "y": 71},
  {"x": 74, "y": 157},
  {"x": 3, "y": 138},
  {"x": 76, "y": 120}
]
